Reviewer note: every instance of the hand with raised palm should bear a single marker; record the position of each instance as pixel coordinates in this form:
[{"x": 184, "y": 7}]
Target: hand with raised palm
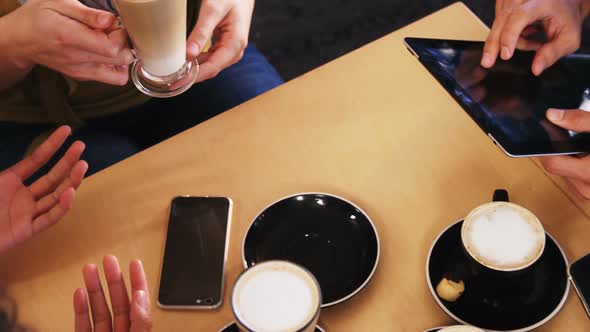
[
  {"x": 128, "y": 314},
  {"x": 28, "y": 210}
]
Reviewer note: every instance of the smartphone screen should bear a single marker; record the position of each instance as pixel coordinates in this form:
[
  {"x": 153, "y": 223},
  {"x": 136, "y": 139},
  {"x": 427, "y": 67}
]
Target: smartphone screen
[
  {"x": 580, "y": 274},
  {"x": 195, "y": 253}
]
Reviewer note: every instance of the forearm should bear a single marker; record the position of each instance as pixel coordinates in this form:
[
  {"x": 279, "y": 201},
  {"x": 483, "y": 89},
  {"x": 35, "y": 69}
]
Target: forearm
[
  {"x": 13, "y": 68},
  {"x": 585, "y": 8}
]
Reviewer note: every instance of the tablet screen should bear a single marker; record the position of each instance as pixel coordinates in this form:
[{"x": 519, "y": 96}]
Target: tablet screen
[{"x": 508, "y": 101}]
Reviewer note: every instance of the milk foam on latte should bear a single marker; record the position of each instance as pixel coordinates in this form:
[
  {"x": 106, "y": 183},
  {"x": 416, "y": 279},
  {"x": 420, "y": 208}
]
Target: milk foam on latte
[
  {"x": 276, "y": 297},
  {"x": 460, "y": 328},
  {"x": 503, "y": 236}
]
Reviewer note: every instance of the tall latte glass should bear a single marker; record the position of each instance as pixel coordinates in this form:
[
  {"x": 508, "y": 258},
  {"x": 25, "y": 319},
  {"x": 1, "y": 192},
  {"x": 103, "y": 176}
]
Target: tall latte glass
[
  {"x": 157, "y": 29},
  {"x": 276, "y": 296}
]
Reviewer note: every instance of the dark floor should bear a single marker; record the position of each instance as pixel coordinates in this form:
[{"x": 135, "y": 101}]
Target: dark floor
[{"x": 300, "y": 35}]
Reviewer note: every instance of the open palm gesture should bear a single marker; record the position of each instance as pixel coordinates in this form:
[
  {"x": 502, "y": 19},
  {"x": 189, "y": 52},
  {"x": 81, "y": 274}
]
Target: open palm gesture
[{"x": 27, "y": 210}]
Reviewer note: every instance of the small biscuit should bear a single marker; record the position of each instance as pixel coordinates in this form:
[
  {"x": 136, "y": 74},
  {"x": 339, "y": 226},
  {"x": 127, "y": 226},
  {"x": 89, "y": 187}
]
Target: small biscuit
[{"x": 449, "y": 290}]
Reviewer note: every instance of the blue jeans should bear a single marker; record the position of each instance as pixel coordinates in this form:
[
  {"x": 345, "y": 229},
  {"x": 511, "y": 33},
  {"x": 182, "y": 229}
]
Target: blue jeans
[{"x": 112, "y": 138}]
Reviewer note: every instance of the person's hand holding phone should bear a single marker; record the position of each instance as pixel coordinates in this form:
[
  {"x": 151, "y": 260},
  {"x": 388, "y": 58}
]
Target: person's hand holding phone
[
  {"x": 66, "y": 36},
  {"x": 575, "y": 170},
  {"x": 518, "y": 23},
  {"x": 28, "y": 210},
  {"x": 228, "y": 22},
  {"x": 127, "y": 315}
]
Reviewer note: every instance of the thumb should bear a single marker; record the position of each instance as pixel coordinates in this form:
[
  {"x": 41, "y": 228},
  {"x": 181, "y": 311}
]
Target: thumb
[
  {"x": 210, "y": 15},
  {"x": 575, "y": 120},
  {"x": 93, "y": 18},
  {"x": 141, "y": 319},
  {"x": 549, "y": 53}
]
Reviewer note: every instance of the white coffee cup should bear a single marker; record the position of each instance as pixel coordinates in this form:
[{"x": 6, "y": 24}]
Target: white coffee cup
[
  {"x": 276, "y": 296},
  {"x": 460, "y": 328},
  {"x": 503, "y": 236}
]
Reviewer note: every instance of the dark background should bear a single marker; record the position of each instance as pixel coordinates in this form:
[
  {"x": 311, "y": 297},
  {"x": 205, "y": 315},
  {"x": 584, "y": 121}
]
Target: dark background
[{"x": 300, "y": 35}]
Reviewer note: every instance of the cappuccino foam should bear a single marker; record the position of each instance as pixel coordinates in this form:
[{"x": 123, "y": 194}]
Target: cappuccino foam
[
  {"x": 276, "y": 297},
  {"x": 503, "y": 236}
]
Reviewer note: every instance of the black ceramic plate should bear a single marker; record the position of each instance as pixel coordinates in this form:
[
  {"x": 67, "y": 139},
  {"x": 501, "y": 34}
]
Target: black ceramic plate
[
  {"x": 234, "y": 328},
  {"x": 532, "y": 301},
  {"x": 331, "y": 237}
]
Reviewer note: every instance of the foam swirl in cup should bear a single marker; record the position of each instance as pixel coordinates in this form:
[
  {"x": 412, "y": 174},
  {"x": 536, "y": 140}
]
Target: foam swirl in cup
[
  {"x": 503, "y": 236},
  {"x": 276, "y": 296}
]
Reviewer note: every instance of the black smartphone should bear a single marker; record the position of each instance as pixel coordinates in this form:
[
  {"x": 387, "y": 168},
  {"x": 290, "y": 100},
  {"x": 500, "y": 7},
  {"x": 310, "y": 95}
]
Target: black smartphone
[
  {"x": 580, "y": 276},
  {"x": 193, "y": 268}
]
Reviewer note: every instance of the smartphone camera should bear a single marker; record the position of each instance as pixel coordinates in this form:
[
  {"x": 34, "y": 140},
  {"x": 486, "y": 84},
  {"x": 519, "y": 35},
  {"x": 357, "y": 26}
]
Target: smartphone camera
[{"x": 209, "y": 301}]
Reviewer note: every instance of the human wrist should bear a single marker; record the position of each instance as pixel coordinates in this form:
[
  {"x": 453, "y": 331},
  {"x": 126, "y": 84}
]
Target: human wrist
[
  {"x": 12, "y": 44},
  {"x": 585, "y": 8}
]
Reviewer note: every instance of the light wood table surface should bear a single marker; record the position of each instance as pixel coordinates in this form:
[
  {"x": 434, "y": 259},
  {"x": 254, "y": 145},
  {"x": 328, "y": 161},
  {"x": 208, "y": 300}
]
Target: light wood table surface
[{"x": 372, "y": 126}]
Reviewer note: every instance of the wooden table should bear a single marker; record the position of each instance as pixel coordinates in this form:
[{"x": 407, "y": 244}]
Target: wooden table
[{"x": 372, "y": 126}]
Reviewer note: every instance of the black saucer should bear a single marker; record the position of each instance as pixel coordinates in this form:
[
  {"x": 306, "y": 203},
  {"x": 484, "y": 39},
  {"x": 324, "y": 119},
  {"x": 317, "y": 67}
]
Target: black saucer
[
  {"x": 232, "y": 327},
  {"x": 532, "y": 300},
  {"x": 328, "y": 235}
]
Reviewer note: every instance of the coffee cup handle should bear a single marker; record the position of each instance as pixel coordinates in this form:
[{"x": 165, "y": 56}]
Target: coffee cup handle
[
  {"x": 501, "y": 195},
  {"x": 452, "y": 284}
]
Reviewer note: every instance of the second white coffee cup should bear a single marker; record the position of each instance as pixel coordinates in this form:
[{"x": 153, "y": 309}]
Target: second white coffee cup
[
  {"x": 503, "y": 236},
  {"x": 276, "y": 296}
]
